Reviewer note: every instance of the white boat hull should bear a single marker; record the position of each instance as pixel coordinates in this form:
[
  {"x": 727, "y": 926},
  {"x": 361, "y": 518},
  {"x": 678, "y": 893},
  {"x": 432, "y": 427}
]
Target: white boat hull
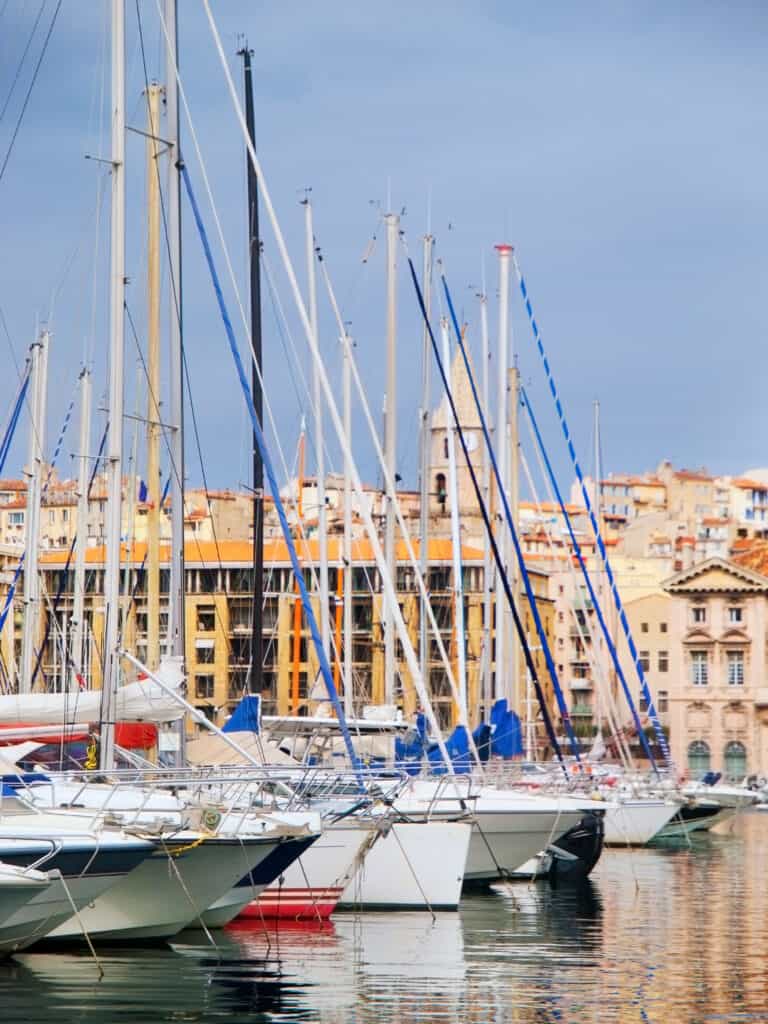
[
  {"x": 166, "y": 894},
  {"x": 636, "y": 822},
  {"x": 412, "y": 867}
]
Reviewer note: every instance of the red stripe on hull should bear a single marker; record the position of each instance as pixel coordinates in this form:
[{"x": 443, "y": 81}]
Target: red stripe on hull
[{"x": 293, "y": 904}]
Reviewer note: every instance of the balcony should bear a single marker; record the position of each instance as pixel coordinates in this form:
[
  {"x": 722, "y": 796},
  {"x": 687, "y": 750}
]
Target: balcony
[
  {"x": 581, "y": 711},
  {"x": 581, "y": 684}
]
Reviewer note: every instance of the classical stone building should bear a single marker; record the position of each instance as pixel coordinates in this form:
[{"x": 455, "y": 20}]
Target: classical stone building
[{"x": 718, "y": 692}]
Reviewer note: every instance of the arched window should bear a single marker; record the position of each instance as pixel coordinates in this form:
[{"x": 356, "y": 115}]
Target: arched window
[
  {"x": 698, "y": 759},
  {"x": 735, "y": 761}
]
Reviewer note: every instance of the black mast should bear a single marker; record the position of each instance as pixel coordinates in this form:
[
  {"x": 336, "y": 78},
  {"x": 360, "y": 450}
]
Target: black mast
[{"x": 254, "y": 251}]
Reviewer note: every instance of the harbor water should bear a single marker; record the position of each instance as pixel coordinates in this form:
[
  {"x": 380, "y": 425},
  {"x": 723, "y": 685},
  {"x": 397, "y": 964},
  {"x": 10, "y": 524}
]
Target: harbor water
[{"x": 676, "y": 933}]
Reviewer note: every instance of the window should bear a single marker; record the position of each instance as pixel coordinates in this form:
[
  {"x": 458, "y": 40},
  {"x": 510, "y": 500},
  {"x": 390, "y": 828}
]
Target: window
[
  {"x": 699, "y": 614},
  {"x": 735, "y": 614},
  {"x": 645, "y": 661},
  {"x": 643, "y": 627},
  {"x": 735, "y": 761},
  {"x": 205, "y": 652},
  {"x": 699, "y": 668},
  {"x": 662, "y": 703},
  {"x": 698, "y": 759},
  {"x": 16, "y": 518},
  {"x": 65, "y": 515},
  {"x": 735, "y": 668},
  {"x": 51, "y": 515},
  {"x": 662, "y": 627},
  {"x": 206, "y": 618},
  {"x": 440, "y": 491},
  {"x": 663, "y": 661},
  {"x": 204, "y": 687},
  {"x": 445, "y": 447}
]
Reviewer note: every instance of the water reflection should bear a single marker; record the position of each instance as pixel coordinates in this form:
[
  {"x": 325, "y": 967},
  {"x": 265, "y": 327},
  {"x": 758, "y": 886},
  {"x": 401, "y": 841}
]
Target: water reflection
[{"x": 675, "y": 934}]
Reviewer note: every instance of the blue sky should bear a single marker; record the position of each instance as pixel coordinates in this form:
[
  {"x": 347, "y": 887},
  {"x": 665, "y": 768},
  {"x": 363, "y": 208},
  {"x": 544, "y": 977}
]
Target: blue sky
[{"x": 621, "y": 147}]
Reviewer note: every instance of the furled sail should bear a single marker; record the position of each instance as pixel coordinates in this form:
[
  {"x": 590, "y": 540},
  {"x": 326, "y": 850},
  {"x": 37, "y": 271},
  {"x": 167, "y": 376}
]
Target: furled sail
[{"x": 140, "y": 701}]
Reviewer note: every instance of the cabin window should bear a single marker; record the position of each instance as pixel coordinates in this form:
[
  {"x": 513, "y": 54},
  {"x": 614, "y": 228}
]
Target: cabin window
[
  {"x": 699, "y": 759},
  {"x": 735, "y": 761},
  {"x": 735, "y": 668},
  {"x": 699, "y": 668}
]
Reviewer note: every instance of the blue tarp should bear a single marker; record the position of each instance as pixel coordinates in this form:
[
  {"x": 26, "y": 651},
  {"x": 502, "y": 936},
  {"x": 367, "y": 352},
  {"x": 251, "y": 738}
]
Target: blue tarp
[
  {"x": 457, "y": 746},
  {"x": 506, "y": 732},
  {"x": 482, "y": 737},
  {"x": 409, "y": 750},
  {"x": 246, "y": 717}
]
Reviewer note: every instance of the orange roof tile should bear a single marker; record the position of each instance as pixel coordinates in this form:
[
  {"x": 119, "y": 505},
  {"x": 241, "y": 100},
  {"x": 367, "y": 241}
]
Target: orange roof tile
[
  {"x": 745, "y": 484},
  {"x": 276, "y": 550}
]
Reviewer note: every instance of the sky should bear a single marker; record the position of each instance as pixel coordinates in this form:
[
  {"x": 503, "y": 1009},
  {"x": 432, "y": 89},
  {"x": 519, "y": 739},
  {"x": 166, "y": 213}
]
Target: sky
[{"x": 620, "y": 147}]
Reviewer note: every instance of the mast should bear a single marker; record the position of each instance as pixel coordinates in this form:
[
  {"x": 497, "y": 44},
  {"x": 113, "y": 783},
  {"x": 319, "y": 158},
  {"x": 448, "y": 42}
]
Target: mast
[
  {"x": 81, "y": 535},
  {"x": 458, "y": 590},
  {"x": 515, "y": 688},
  {"x": 32, "y": 526},
  {"x": 502, "y": 683},
  {"x": 176, "y": 389},
  {"x": 425, "y": 471},
  {"x": 115, "y": 437},
  {"x": 322, "y": 527},
  {"x": 254, "y": 256},
  {"x": 154, "y": 93},
  {"x": 297, "y": 618},
  {"x": 347, "y": 561},
  {"x": 486, "y": 687},
  {"x": 176, "y": 606},
  {"x": 390, "y": 442}
]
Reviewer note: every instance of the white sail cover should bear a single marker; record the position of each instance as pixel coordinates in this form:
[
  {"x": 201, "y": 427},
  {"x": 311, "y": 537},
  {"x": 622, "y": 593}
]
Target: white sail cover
[{"x": 140, "y": 701}]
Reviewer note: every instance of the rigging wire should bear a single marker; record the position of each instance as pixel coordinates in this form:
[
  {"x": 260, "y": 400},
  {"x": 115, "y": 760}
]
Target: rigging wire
[
  {"x": 20, "y": 65},
  {"x": 23, "y": 110}
]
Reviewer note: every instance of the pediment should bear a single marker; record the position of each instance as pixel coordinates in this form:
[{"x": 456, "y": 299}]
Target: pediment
[
  {"x": 717, "y": 576},
  {"x": 698, "y": 636},
  {"x": 735, "y": 636}
]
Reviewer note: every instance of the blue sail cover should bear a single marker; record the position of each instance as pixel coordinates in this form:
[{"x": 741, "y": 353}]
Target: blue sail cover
[
  {"x": 506, "y": 731},
  {"x": 482, "y": 737},
  {"x": 409, "y": 750},
  {"x": 457, "y": 746},
  {"x": 246, "y": 717}
]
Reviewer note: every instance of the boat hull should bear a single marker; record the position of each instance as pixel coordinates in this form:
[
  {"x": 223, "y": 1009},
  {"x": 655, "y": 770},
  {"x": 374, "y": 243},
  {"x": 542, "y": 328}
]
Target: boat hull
[
  {"x": 169, "y": 891},
  {"x": 412, "y": 866},
  {"x": 636, "y": 822}
]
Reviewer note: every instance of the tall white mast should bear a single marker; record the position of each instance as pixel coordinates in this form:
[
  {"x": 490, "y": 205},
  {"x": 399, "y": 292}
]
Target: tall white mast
[
  {"x": 502, "y": 667},
  {"x": 81, "y": 535},
  {"x": 390, "y": 445},
  {"x": 32, "y": 524},
  {"x": 176, "y": 392},
  {"x": 115, "y": 437},
  {"x": 424, "y": 465},
  {"x": 154, "y": 95},
  {"x": 486, "y": 688},
  {"x": 515, "y": 688},
  {"x": 322, "y": 515},
  {"x": 346, "y": 342},
  {"x": 453, "y": 493}
]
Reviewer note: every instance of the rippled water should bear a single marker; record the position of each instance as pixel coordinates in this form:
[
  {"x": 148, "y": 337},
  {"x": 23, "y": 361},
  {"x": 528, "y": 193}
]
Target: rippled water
[{"x": 674, "y": 934}]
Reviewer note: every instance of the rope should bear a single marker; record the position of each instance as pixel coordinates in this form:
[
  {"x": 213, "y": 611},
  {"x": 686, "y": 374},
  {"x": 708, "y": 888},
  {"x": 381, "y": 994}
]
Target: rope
[
  {"x": 652, "y": 714},
  {"x": 322, "y": 657},
  {"x": 540, "y": 631},
  {"x": 587, "y": 579},
  {"x": 489, "y": 529},
  {"x": 393, "y": 831},
  {"x": 83, "y": 929}
]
